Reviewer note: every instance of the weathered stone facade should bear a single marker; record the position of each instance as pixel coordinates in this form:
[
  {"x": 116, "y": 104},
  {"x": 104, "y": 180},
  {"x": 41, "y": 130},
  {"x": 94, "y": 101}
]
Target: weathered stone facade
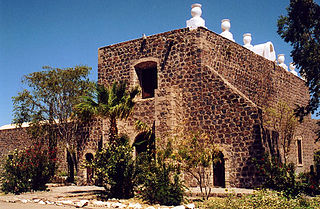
[
  {"x": 196, "y": 80},
  {"x": 206, "y": 82}
]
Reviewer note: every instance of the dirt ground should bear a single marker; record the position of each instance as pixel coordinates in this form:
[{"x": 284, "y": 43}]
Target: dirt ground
[
  {"x": 5, "y": 205},
  {"x": 60, "y": 197}
]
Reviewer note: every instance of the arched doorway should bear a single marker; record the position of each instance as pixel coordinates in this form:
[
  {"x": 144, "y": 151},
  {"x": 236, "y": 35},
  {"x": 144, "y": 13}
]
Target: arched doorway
[
  {"x": 219, "y": 171},
  {"x": 89, "y": 159},
  {"x": 144, "y": 143}
]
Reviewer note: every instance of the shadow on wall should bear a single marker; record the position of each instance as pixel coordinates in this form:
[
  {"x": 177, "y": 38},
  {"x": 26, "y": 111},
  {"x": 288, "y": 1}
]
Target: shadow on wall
[
  {"x": 249, "y": 176},
  {"x": 271, "y": 142}
]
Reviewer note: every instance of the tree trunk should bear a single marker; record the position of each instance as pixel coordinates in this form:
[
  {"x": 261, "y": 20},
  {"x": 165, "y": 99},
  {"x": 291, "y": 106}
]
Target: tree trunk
[{"x": 113, "y": 131}]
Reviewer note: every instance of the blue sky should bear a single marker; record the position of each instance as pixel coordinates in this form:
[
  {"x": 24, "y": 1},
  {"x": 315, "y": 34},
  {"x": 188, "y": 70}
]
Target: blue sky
[{"x": 65, "y": 33}]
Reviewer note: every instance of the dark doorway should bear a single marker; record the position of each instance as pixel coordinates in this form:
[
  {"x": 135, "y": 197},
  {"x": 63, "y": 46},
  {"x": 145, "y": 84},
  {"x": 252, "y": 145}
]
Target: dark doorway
[
  {"x": 144, "y": 142},
  {"x": 89, "y": 158},
  {"x": 219, "y": 171}
]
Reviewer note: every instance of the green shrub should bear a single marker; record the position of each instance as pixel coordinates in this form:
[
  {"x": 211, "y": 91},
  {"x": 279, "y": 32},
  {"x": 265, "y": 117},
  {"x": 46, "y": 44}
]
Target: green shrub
[
  {"x": 278, "y": 176},
  {"x": 310, "y": 180},
  {"x": 114, "y": 168},
  {"x": 28, "y": 169},
  {"x": 261, "y": 199},
  {"x": 159, "y": 179},
  {"x": 316, "y": 159},
  {"x": 197, "y": 155}
]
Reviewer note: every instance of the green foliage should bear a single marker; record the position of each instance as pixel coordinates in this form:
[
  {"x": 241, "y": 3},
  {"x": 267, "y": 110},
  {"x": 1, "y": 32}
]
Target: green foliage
[
  {"x": 317, "y": 158},
  {"x": 311, "y": 180},
  {"x": 48, "y": 104},
  {"x": 261, "y": 199},
  {"x": 115, "y": 168},
  {"x": 159, "y": 179},
  {"x": 309, "y": 183},
  {"x": 51, "y": 94},
  {"x": 28, "y": 169},
  {"x": 301, "y": 28},
  {"x": 278, "y": 176},
  {"x": 114, "y": 102},
  {"x": 147, "y": 140},
  {"x": 282, "y": 119},
  {"x": 196, "y": 154}
]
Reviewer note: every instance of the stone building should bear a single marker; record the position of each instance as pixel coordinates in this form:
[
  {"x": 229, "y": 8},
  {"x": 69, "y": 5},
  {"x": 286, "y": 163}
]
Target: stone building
[{"x": 193, "y": 79}]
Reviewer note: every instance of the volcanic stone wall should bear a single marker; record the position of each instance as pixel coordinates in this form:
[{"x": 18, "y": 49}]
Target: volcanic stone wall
[
  {"x": 19, "y": 138},
  {"x": 189, "y": 95},
  {"x": 11, "y": 139},
  {"x": 88, "y": 139},
  {"x": 210, "y": 84},
  {"x": 264, "y": 83},
  {"x": 204, "y": 83},
  {"x": 176, "y": 57}
]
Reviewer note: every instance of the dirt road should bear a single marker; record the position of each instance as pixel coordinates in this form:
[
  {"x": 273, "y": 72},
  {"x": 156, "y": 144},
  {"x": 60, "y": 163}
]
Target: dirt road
[{"x": 4, "y": 205}]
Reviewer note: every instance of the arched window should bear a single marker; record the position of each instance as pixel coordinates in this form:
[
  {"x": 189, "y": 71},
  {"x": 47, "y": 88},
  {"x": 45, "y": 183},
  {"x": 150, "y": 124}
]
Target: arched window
[{"x": 147, "y": 75}]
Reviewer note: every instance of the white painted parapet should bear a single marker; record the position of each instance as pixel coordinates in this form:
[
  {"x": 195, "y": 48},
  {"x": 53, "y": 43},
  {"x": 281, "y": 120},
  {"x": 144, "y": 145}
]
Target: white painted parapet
[
  {"x": 225, "y": 26},
  {"x": 196, "y": 20},
  {"x": 266, "y": 50},
  {"x": 292, "y": 68},
  {"x": 281, "y": 61},
  {"x": 247, "y": 41}
]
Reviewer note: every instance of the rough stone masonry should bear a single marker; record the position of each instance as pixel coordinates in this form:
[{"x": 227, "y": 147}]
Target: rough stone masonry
[{"x": 197, "y": 80}]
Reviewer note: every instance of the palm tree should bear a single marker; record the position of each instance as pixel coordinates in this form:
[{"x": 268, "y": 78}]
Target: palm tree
[{"x": 114, "y": 102}]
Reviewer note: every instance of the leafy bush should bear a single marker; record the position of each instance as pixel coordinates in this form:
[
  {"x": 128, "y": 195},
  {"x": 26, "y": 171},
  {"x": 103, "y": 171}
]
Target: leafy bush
[
  {"x": 310, "y": 180},
  {"x": 197, "y": 154},
  {"x": 115, "y": 169},
  {"x": 316, "y": 159},
  {"x": 261, "y": 199},
  {"x": 159, "y": 179},
  {"x": 28, "y": 169},
  {"x": 309, "y": 184},
  {"x": 278, "y": 176}
]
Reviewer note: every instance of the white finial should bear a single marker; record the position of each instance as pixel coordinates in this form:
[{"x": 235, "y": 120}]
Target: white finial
[
  {"x": 225, "y": 26},
  {"x": 247, "y": 41},
  {"x": 292, "y": 68},
  {"x": 281, "y": 61},
  {"x": 144, "y": 36},
  {"x": 196, "y": 20}
]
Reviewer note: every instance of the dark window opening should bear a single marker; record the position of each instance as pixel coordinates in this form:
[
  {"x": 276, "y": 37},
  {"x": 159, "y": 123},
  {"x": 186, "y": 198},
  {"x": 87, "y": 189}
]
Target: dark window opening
[
  {"x": 299, "y": 145},
  {"x": 147, "y": 75}
]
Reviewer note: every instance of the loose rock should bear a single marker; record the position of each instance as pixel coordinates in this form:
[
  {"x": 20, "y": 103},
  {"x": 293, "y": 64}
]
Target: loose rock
[
  {"x": 179, "y": 207},
  {"x": 191, "y": 206}
]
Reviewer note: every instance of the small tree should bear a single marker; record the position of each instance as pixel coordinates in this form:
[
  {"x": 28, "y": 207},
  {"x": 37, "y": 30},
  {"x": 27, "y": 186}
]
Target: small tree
[
  {"x": 115, "y": 167},
  {"x": 48, "y": 104},
  {"x": 283, "y": 120},
  {"x": 158, "y": 177},
  {"x": 197, "y": 154},
  {"x": 301, "y": 28},
  {"x": 278, "y": 176}
]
